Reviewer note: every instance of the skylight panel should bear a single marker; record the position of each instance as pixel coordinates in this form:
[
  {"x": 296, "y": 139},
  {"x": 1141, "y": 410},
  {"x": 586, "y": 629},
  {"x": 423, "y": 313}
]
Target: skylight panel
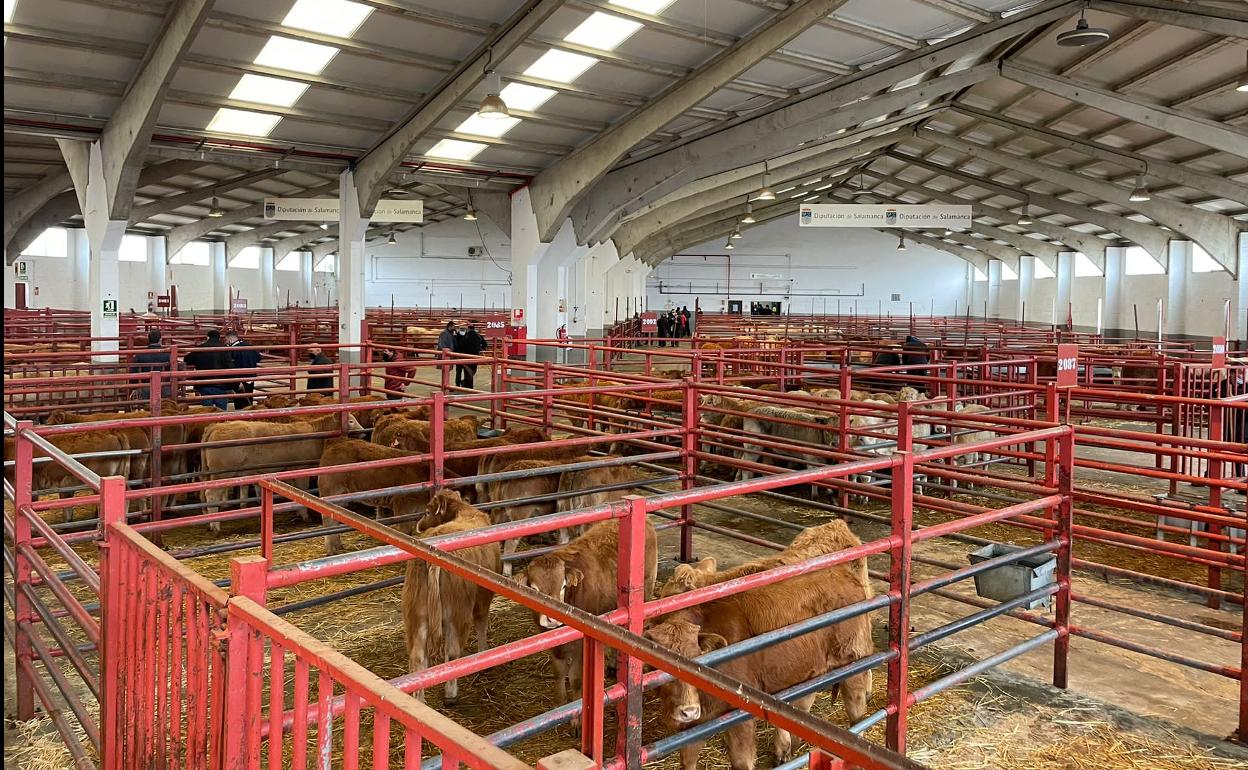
[
  {"x": 295, "y": 55},
  {"x": 228, "y": 121},
  {"x": 328, "y": 17},
  {"x": 455, "y": 149},
  {"x": 480, "y": 126},
  {"x": 520, "y": 96},
  {"x": 266, "y": 90},
  {"x": 603, "y": 31},
  {"x": 560, "y": 66},
  {"x": 652, "y": 7}
]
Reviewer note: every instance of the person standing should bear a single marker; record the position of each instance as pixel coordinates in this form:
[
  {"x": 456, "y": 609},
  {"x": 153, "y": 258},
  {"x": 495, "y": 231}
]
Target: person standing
[
  {"x": 245, "y": 357},
  {"x": 914, "y": 353},
  {"x": 211, "y": 356},
  {"x": 446, "y": 339},
  {"x": 468, "y": 342},
  {"x": 322, "y": 382},
  {"x": 663, "y": 329},
  {"x": 155, "y": 361},
  {"x": 396, "y": 375}
]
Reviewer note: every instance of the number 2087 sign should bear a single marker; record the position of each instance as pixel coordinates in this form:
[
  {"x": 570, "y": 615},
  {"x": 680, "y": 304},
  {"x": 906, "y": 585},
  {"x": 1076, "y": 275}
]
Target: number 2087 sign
[{"x": 1067, "y": 366}]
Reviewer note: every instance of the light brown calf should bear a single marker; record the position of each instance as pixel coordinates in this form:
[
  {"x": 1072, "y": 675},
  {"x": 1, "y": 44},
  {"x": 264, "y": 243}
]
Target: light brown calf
[{"x": 341, "y": 451}]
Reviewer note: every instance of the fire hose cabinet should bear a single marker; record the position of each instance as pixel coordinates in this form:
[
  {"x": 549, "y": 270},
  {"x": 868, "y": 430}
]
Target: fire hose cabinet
[{"x": 1016, "y": 579}]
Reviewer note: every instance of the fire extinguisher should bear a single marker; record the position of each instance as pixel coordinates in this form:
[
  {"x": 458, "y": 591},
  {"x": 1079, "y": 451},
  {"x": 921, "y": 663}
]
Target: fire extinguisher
[{"x": 563, "y": 333}]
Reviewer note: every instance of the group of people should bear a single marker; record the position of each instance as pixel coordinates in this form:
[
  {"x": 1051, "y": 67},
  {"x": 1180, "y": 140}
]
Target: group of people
[
  {"x": 214, "y": 354},
  {"x": 465, "y": 340},
  {"x": 673, "y": 324}
]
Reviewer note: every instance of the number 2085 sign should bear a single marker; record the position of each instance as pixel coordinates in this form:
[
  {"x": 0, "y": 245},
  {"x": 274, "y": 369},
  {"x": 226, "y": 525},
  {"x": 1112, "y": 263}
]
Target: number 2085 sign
[
  {"x": 1067, "y": 366},
  {"x": 496, "y": 326}
]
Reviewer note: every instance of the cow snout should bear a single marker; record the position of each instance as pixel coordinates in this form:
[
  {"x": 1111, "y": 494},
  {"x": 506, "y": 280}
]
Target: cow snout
[
  {"x": 688, "y": 713},
  {"x": 548, "y": 622}
]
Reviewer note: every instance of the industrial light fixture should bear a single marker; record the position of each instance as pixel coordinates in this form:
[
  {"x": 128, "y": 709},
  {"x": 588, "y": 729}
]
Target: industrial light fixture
[
  {"x": 215, "y": 211},
  {"x": 1026, "y": 219},
  {"x": 324, "y": 225},
  {"x": 1242, "y": 87},
  {"x": 858, "y": 188},
  {"x": 728, "y": 245},
  {"x": 1140, "y": 194},
  {"x": 748, "y": 219},
  {"x": 765, "y": 193},
  {"x": 471, "y": 214},
  {"x": 1082, "y": 35},
  {"x": 901, "y": 243},
  {"x": 492, "y": 106},
  {"x": 391, "y": 241},
  {"x": 736, "y": 234},
  {"x": 948, "y": 232}
]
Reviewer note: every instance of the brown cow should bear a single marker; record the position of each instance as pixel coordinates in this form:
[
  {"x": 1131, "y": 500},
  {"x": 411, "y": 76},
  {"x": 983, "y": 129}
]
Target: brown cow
[
  {"x": 222, "y": 462},
  {"x": 138, "y": 438},
  {"x": 341, "y": 451},
  {"x": 811, "y": 542},
  {"x": 700, "y": 629},
  {"x": 498, "y": 461},
  {"x": 399, "y": 430},
  {"x": 51, "y": 475},
  {"x": 469, "y": 466},
  {"x": 583, "y": 574},
  {"x": 439, "y": 608}
]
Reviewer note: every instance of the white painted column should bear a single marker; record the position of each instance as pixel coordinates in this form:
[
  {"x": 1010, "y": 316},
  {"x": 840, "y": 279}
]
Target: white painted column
[
  {"x": 268, "y": 290},
  {"x": 1065, "y": 285},
  {"x": 994, "y": 288},
  {"x": 1026, "y": 278},
  {"x": 220, "y": 289},
  {"x": 1176, "y": 286},
  {"x": 80, "y": 267},
  {"x": 352, "y": 228},
  {"x": 1239, "y": 319},
  {"x": 305, "y": 278},
  {"x": 597, "y": 265},
  {"x": 1115, "y": 265},
  {"x": 157, "y": 269},
  {"x": 104, "y": 236},
  {"x": 10, "y": 286}
]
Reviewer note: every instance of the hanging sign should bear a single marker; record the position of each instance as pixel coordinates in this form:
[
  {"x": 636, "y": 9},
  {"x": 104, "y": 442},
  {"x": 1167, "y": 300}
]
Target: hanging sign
[
  {"x": 110, "y": 308},
  {"x": 326, "y": 210},
  {"x": 22, "y": 268},
  {"x": 1218, "y": 358},
  {"x": 162, "y": 300},
  {"x": 1067, "y": 365},
  {"x": 649, "y": 321},
  {"x": 495, "y": 326},
  {"x": 883, "y": 215}
]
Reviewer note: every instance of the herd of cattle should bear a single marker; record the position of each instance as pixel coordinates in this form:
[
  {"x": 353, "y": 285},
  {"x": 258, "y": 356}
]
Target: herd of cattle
[{"x": 527, "y": 476}]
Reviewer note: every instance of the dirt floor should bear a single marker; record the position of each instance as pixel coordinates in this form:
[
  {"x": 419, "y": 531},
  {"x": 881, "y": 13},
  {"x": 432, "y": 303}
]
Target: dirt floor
[{"x": 1123, "y": 710}]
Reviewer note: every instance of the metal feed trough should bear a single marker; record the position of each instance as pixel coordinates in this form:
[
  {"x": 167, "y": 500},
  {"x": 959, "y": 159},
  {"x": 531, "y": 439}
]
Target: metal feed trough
[{"x": 1016, "y": 579}]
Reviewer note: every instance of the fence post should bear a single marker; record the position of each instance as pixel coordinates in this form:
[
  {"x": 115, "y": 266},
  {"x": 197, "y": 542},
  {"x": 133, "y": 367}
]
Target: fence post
[
  {"x": 899, "y": 589},
  {"x": 112, "y": 511},
  {"x": 1066, "y": 544},
  {"x": 1213, "y": 471},
  {"x": 23, "y": 614},
  {"x": 244, "y": 667},
  {"x": 631, "y": 595},
  {"x": 446, "y": 370},
  {"x": 688, "y": 479},
  {"x": 437, "y": 446},
  {"x": 548, "y": 384}
]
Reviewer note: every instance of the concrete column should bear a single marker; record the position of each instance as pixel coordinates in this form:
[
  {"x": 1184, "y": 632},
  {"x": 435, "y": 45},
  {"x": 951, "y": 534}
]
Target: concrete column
[
  {"x": 157, "y": 268},
  {"x": 268, "y": 291},
  {"x": 220, "y": 289},
  {"x": 1065, "y": 286},
  {"x": 80, "y": 266},
  {"x": 104, "y": 236},
  {"x": 10, "y": 286},
  {"x": 305, "y": 278},
  {"x": 352, "y": 228},
  {"x": 1176, "y": 286},
  {"x": 1026, "y": 278},
  {"x": 1239, "y": 312},
  {"x": 1115, "y": 266},
  {"x": 536, "y": 269},
  {"x": 994, "y": 288},
  {"x": 600, "y": 260}
]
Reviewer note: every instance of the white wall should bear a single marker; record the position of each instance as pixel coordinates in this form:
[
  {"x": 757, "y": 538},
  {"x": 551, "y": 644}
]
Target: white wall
[
  {"x": 825, "y": 264},
  {"x": 431, "y": 264}
]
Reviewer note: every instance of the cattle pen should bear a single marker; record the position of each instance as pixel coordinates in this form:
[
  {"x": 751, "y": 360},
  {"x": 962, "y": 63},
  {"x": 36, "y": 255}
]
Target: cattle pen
[{"x": 120, "y": 628}]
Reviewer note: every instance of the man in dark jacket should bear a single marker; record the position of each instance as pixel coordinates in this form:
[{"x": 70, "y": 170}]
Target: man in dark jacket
[
  {"x": 470, "y": 343},
  {"x": 322, "y": 382},
  {"x": 211, "y": 356},
  {"x": 155, "y": 361},
  {"x": 245, "y": 357},
  {"x": 915, "y": 352},
  {"x": 446, "y": 339}
]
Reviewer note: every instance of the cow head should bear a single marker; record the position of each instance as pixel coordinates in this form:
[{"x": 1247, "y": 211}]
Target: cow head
[
  {"x": 551, "y": 576},
  {"x": 909, "y": 394},
  {"x": 443, "y": 507},
  {"x": 688, "y": 577},
  {"x": 682, "y": 703}
]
